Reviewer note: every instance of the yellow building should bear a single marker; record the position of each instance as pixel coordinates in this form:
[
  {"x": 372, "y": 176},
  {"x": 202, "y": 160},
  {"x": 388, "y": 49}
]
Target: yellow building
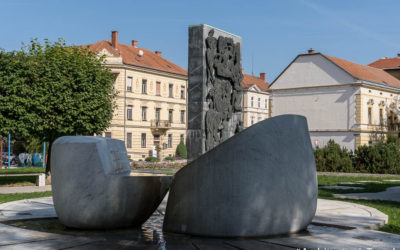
[
  {"x": 255, "y": 99},
  {"x": 151, "y": 100}
]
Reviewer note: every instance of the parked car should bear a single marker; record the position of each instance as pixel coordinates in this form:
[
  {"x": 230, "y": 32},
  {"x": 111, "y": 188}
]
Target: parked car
[{"x": 5, "y": 159}]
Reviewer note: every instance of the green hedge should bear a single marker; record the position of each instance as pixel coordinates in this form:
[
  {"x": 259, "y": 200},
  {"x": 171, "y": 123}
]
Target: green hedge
[
  {"x": 152, "y": 159},
  {"x": 382, "y": 158},
  {"x": 332, "y": 158}
]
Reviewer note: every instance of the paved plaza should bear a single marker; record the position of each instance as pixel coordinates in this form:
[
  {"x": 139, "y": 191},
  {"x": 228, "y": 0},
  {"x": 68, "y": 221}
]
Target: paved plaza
[{"x": 32, "y": 224}]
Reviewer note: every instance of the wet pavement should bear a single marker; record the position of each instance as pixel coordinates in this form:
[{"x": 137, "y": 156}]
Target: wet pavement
[{"x": 32, "y": 224}]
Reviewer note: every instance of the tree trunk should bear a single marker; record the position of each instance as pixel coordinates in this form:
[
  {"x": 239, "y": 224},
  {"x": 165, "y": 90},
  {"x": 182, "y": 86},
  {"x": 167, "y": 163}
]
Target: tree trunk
[{"x": 48, "y": 167}]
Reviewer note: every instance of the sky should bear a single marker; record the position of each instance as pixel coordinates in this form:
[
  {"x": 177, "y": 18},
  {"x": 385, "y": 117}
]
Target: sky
[{"x": 273, "y": 32}]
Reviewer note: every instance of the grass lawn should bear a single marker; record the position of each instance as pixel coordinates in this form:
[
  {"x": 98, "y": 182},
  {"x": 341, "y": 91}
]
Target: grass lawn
[
  {"x": 391, "y": 208},
  {"x": 13, "y": 197},
  {"x": 7, "y": 181}
]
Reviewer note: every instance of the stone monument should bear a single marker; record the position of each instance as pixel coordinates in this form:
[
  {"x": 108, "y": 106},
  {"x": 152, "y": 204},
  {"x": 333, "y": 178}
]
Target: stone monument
[
  {"x": 92, "y": 186},
  {"x": 257, "y": 182},
  {"x": 260, "y": 182},
  {"x": 215, "y": 88}
]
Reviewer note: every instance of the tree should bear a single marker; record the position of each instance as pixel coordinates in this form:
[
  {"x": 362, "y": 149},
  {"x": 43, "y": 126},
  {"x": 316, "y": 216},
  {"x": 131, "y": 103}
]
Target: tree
[
  {"x": 181, "y": 150},
  {"x": 58, "y": 91}
]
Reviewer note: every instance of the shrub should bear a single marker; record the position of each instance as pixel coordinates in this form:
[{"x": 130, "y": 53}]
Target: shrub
[
  {"x": 169, "y": 158},
  {"x": 382, "y": 158},
  {"x": 332, "y": 158},
  {"x": 393, "y": 138},
  {"x": 152, "y": 159},
  {"x": 181, "y": 150}
]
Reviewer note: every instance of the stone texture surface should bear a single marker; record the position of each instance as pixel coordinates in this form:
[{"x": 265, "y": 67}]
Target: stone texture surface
[
  {"x": 335, "y": 234},
  {"x": 260, "y": 182},
  {"x": 199, "y": 87},
  {"x": 92, "y": 186}
]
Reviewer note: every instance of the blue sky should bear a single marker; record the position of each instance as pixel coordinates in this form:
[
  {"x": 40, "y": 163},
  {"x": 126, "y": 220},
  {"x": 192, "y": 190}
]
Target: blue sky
[{"x": 273, "y": 31}]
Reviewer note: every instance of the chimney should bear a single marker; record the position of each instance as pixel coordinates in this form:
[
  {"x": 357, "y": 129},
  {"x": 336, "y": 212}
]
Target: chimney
[
  {"x": 134, "y": 43},
  {"x": 114, "y": 38},
  {"x": 311, "y": 51},
  {"x": 398, "y": 54},
  {"x": 158, "y": 53},
  {"x": 262, "y": 76}
]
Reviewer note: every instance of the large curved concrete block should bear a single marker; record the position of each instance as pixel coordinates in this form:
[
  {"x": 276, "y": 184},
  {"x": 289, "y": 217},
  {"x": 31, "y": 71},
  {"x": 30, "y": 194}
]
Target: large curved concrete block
[
  {"x": 92, "y": 186},
  {"x": 259, "y": 182}
]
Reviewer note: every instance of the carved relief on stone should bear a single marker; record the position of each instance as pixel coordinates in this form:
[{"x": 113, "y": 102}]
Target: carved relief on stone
[{"x": 224, "y": 89}]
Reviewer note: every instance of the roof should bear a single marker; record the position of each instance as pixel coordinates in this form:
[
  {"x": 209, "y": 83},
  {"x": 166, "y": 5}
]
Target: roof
[
  {"x": 358, "y": 71},
  {"x": 386, "y": 63},
  {"x": 130, "y": 56},
  {"x": 364, "y": 72},
  {"x": 249, "y": 80}
]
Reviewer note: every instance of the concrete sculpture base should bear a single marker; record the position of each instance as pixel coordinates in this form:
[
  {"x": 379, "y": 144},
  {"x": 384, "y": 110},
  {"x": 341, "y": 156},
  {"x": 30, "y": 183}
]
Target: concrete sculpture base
[
  {"x": 92, "y": 186},
  {"x": 260, "y": 182}
]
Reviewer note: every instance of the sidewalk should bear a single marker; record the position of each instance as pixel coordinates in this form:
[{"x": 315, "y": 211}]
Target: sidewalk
[
  {"x": 24, "y": 189},
  {"x": 358, "y": 174}
]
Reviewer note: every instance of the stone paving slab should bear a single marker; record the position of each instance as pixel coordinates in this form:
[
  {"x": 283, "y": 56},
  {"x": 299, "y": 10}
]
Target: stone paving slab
[
  {"x": 24, "y": 189},
  {"x": 27, "y": 209},
  {"x": 346, "y": 214},
  {"x": 390, "y": 194},
  {"x": 342, "y": 215}
]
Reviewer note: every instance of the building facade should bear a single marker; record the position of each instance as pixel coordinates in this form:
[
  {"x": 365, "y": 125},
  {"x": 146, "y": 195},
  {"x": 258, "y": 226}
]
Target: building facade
[
  {"x": 344, "y": 101},
  {"x": 150, "y": 114},
  {"x": 255, "y": 102}
]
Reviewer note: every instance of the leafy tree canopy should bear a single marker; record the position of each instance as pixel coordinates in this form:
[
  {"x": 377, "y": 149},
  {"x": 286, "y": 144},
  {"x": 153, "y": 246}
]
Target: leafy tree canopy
[{"x": 53, "y": 90}]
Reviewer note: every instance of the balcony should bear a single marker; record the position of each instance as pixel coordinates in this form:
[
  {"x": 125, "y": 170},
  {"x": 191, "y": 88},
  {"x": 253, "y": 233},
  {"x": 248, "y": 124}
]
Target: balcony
[{"x": 159, "y": 126}]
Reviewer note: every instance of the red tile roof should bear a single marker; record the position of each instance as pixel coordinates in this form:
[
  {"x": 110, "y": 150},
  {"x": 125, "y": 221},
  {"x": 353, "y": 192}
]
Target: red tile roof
[
  {"x": 386, "y": 63},
  {"x": 130, "y": 55},
  {"x": 249, "y": 80},
  {"x": 364, "y": 72}
]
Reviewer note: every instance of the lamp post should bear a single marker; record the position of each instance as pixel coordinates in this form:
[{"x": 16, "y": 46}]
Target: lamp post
[
  {"x": 44, "y": 151},
  {"x": 9, "y": 150}
]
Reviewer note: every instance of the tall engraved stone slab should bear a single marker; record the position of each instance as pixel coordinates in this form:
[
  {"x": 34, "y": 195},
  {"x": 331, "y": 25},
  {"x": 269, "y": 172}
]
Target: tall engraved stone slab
[{"x": 215, "y": 88}]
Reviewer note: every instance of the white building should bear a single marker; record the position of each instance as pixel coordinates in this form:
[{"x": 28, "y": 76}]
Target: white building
[
  {"x": 342, "y": 100},
  {"x": 255, "y": 100}
]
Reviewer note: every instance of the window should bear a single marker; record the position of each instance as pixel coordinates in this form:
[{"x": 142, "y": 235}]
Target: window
[
  {"x": 170, "y": 140},
  {"x": 182, "y": 116},
  {"x": 156, "y": 138},
  {"x": 381, "y": 117},
  {"x": 158, "y": 110},
  {"x": 129, "y": 84},
  {"x": 266, "y": 103},
  {"x": 252, "y": 101},
  {"x": 369, "y": 116},
  {"x": 107, "y": 134},
  {"x": 259, "y": 102},
  {"x": 144, "y": 111},
  {"x": 158, "y": 88},
  {"x": 182, "y": 139},
  {"x": 144, "y": 86},
  {"x": 170, "y": 90},
  {"x": 143, "y": 140},
  {"x": 252, "y": 120},
  {"x": 129, "y": 140},
  {"x": 129, "y": 112},
  {"x": 170, "y": 115},
  {"x": 183, "y": 92}
]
